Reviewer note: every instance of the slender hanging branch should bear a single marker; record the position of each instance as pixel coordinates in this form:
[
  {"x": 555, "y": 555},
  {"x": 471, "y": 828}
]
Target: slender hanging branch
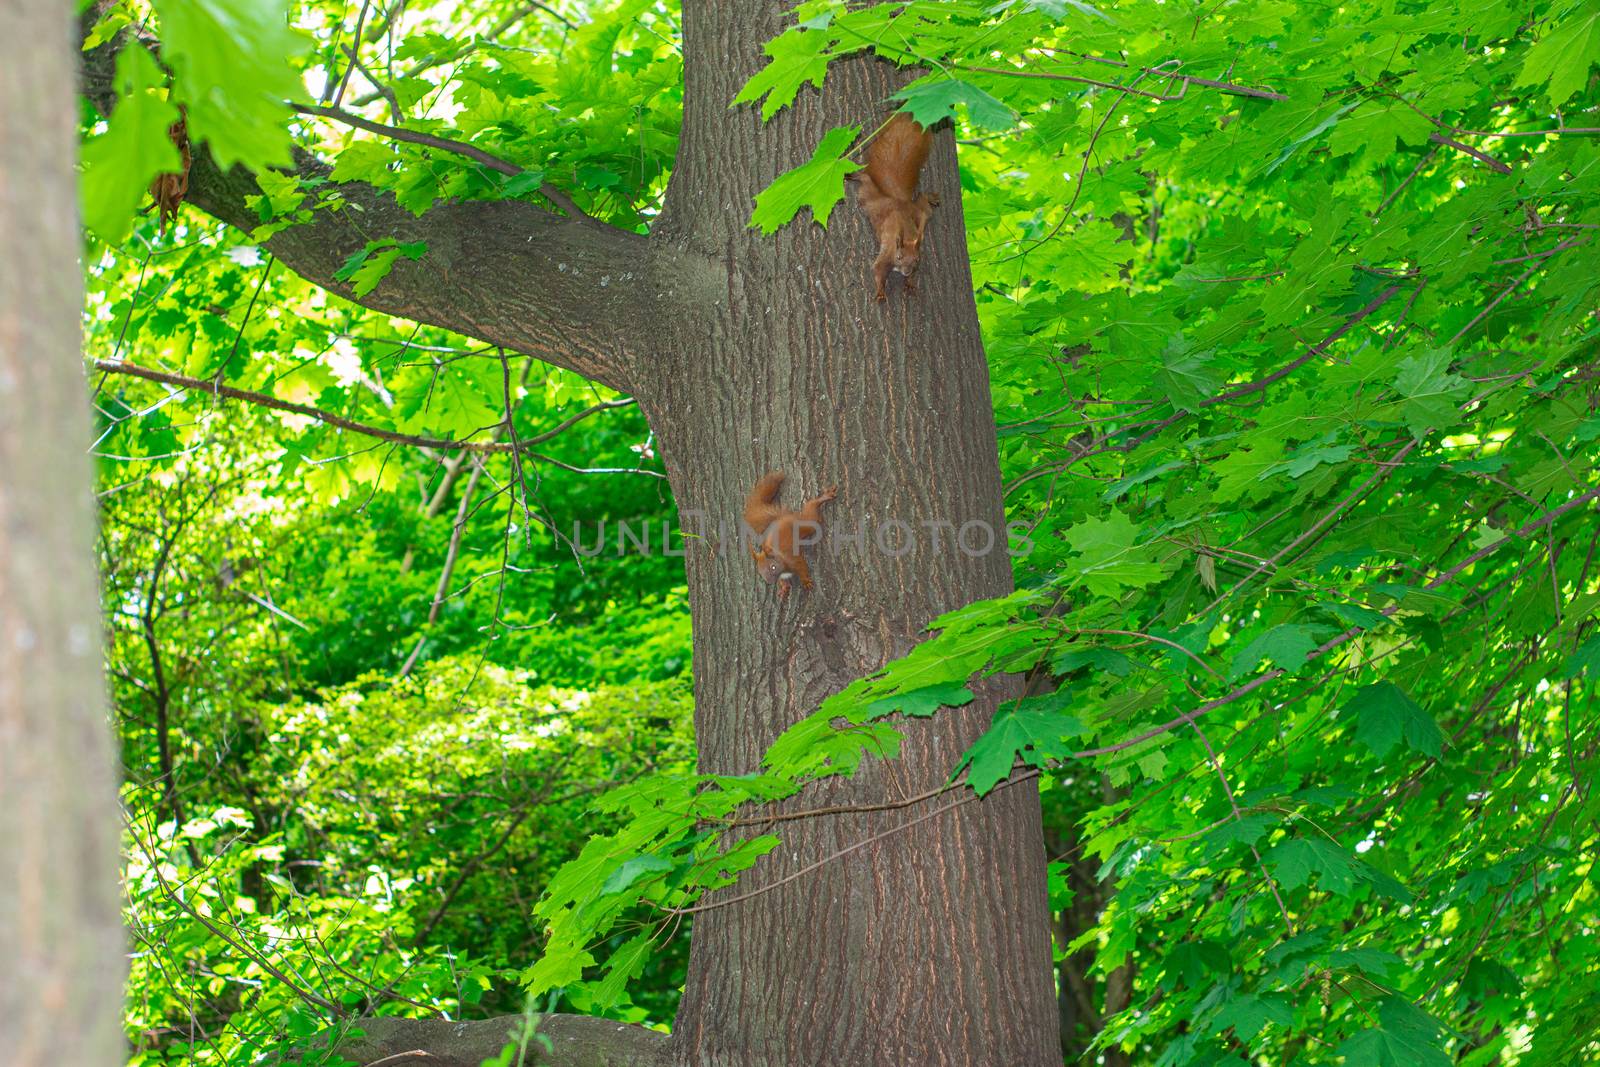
[{"x": 263, "y": 400}]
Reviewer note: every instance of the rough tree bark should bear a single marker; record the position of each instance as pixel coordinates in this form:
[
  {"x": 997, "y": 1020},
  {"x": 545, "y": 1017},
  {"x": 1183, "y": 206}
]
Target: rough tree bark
[
  {"x": 930, "y": 946},
  {"x": 60, "y": 934}
]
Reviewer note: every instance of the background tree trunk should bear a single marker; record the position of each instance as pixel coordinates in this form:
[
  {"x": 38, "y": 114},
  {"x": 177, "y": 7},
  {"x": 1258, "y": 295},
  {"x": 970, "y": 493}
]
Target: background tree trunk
[
  {"x": 932, "y": 945},
  {"x": 60, "y": 936}
]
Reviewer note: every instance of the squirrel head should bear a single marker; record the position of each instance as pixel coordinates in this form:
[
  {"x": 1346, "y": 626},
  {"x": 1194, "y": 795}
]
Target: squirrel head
[
  {"x": 769, "y": 566},
  {"x": 906, "y": 227}
]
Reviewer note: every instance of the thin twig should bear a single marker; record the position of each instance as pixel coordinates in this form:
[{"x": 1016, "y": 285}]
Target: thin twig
[
  {"x": 382, "y": 89},
  {"x": 310, "y": 997},
  {"x": 966, "y": 798},
  {"x": 1480, "y": 316},
  {"x": 1233, "y": 805},
  {"x": 1482, "y": 157},
  {"x": 361, "y": 21},
  {"x": 1432, "y": 152},
  {"x": 490, "y": 34},
  {"x": 1386, "y": 469}
]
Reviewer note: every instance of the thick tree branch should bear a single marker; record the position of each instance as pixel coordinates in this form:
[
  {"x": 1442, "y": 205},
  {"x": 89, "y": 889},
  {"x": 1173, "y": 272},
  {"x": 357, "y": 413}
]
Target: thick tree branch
[
  {"x": 576, "y": 294},
  {"x": 574, "y": 1041}
]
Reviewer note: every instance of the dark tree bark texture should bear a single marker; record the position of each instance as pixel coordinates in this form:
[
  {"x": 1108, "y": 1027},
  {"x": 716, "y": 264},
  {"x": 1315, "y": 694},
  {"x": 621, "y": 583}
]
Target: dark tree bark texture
[{"x": 932, "y": 944}]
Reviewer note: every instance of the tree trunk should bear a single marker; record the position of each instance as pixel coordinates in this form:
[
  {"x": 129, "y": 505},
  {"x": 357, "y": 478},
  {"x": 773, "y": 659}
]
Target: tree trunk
[
  {"x": 930, "y": 945},
  {"x": 60, "y": 936}
]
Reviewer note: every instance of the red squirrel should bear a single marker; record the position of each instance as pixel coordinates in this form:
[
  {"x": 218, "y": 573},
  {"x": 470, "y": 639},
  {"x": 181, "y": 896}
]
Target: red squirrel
[
  {"x": 168, "y": 190},
  {"x": 887, "y": 192},
  {"x": 783, "y": 533}
]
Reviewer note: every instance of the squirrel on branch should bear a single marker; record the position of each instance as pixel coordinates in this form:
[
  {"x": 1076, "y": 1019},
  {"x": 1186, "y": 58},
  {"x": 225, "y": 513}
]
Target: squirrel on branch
[
  {"x": 784, "y": 533},
  {"x": 887, "y": 193}
]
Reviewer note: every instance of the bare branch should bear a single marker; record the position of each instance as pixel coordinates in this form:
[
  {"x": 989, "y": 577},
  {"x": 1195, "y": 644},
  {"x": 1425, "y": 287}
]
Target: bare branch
[
  {"x": 218, "y": 390},
  {"x": 1482, "y": 157}
]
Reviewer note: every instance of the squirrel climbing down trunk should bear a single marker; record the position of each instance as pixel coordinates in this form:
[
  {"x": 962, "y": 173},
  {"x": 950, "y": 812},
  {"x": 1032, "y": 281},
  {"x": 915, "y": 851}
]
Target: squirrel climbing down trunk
[
  {"x": 784, "y": 533},
  {"x": 887, "y": 192}
]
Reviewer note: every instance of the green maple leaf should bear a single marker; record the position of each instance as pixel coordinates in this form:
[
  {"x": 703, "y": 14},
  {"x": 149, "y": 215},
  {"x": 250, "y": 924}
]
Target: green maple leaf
[
  {"x": 634, "y": 869},
  {"x": 369, "y": 266},
  {"x": 1036, "y": 731},
  {"x": 1376, "y": 130},
  {"x": 1384, "y": 715},
  {"x": 794, "y": 58},
  {"x": 624, "y": 965},
  {"x": 1431, "y": 392},
  {"x": 562, "y": 964},
  {"x": 817, "y": 184},
  {"x": 1355, "y": 615},
  {"x": 1563, "y": 56},
  {"x": 815, "y": 746},
  {"x": 1099, "y": 252},
  {"x": 233, "y": 68},
  {"x": 281, "y": 194},
  {"x": 450, "y": 400},
  {"x": 1406, "y": 1037},
  {"x": 1119, "y": 488},
  {"x": 1132, "y": 327},
  {"x": 935, "y": 98},
  {"x": 1100, "y": 659},
  {"x": 1307, "y": 458},
  {"x": 1586, "y": 660},
  {"x": 1060, "y": 10},
  {"x": 1287, "y": 646},
  {"x": 119, "y": 164},
  {"x": 1312, "y": 105},
  {"x": 918, "y": 702},
  {"x": 1244, "y": 830},
  {"x": 1367, "y": 960},
  {"x": 1243, "y": 468},
  {"x": 1249, "y": 1014},
  {"x": 364, "y": 161},
  {"x": 1187, "y": 379},
  {"x": 1108, "y": 560},
  {"x": 1294, "y": 862}
]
